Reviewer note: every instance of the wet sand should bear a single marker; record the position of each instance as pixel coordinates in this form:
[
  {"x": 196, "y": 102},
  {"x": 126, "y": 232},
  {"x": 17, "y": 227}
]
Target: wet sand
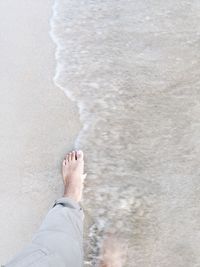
[
  {"x": 38, "y": 122},
  {"x": 134, "y": 68}
]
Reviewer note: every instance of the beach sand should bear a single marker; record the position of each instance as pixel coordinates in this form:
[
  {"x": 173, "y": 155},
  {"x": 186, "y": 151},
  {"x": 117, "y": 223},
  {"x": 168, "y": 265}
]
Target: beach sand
[
  {"x": 38, "y": 122},
  {"x": 133, "y": 71}
]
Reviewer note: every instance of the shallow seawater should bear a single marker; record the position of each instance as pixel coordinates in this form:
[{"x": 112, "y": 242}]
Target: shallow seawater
[{"x": 133, "y": 69}]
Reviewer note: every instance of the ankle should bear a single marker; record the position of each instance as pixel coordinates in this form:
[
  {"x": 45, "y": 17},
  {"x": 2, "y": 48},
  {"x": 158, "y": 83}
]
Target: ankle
[{"x": 72, "y": 194}]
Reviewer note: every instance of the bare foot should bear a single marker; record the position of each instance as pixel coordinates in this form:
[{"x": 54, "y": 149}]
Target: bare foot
[
  {"x": 73, "y": 177},
  {"x": 113, "y": 253}
]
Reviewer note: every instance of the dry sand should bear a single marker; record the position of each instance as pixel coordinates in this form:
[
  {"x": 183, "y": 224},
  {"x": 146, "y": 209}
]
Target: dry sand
[{"x": 38, "y": 122}]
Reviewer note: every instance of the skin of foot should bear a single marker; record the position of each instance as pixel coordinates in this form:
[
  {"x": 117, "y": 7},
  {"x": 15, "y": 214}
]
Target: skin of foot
[
  {"x": 73, "y": 175},
  {"x": 113, "y": 253}
]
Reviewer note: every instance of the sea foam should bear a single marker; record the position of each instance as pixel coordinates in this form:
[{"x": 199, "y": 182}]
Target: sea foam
[{"x": 118, "y": 61}]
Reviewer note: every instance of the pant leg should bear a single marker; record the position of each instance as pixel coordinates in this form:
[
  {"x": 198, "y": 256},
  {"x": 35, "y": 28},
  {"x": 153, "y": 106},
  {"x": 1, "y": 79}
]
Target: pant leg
[{"x": 59, "y": 238}]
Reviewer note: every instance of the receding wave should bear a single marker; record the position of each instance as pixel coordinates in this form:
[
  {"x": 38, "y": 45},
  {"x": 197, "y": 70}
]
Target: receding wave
[{"x": 122, "y": 62}]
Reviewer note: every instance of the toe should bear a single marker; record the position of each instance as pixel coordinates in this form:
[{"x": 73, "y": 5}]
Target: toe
[
  {"x": 79, "y": 155},
  {"x": 64, "y": 162},
  {"x": 68, "y": 157},
  {"x": 73, "y": 155}
]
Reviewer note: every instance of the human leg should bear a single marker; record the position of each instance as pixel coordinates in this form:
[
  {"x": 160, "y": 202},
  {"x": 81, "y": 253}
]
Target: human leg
[{"x": 58, "y": 242}]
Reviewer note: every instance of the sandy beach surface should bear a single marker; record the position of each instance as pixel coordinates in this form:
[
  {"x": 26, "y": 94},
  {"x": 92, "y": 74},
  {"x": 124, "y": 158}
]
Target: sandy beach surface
[
  {"x": 35, "y": 127},
  {"x": 133, "y": 69}
]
